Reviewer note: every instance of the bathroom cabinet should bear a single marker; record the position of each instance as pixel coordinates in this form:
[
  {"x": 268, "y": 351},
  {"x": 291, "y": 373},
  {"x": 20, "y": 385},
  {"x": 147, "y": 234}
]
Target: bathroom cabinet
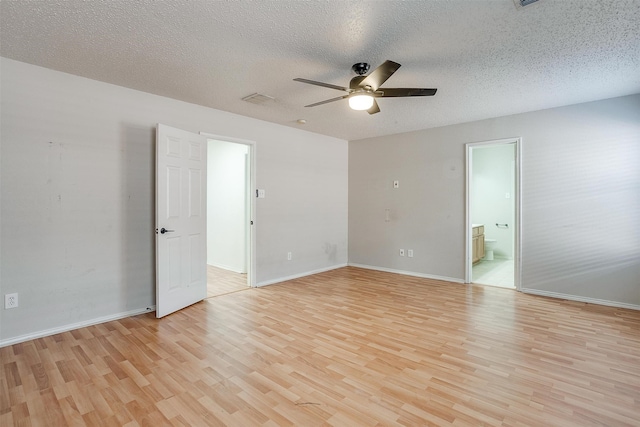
[{"x": 478, "y": 243}]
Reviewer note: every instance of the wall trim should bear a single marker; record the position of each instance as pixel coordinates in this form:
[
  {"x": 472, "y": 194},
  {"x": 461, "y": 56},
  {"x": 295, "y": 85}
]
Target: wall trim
[
  {"x": 580, "y": 299},
  {"x": 297, "y": 276},
  {"x": 73, "y": 326},
  {"x": 408, "y": 273}
]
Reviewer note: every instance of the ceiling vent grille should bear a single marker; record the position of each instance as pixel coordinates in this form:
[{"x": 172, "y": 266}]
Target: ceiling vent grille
[
  {"x": 258, "y": 98},
  {"x": 523, "y": 3}
]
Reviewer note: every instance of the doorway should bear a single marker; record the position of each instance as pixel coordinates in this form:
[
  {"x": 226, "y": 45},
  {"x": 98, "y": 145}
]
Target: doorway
[
  {"x": 230, "y": 208},
  {"x": 493, "y": 213}
]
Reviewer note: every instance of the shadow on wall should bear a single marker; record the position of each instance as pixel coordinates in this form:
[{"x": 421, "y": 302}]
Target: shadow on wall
[{"x": 137, "y": 151}]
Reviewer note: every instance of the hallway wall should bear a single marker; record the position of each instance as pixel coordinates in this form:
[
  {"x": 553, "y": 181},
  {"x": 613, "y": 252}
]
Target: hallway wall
[{"x": 227, "y": 207}]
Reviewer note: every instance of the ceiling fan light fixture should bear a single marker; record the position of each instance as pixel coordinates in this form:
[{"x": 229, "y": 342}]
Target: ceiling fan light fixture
[
  {"x": 364, "y": 89},
  {"x": 360, "y": 101}
]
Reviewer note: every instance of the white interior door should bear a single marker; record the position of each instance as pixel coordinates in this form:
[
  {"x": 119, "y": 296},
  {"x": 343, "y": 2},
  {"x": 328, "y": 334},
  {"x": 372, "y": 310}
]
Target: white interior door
[{"x": 181, "y": 219}]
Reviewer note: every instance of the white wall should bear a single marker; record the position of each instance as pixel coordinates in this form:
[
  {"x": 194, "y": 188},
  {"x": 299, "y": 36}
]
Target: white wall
[
  {"x": 227, "y": 215},
  {"x": 493, "y": 177},
  {"x": 580, "y": 199},
  {"x": 77, "y": 191}
]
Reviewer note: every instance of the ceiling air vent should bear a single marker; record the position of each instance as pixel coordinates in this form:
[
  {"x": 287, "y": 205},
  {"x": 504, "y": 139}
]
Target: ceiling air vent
[
  {"x": 258, "y": 98},
  {"x": 523, "y": 3}
]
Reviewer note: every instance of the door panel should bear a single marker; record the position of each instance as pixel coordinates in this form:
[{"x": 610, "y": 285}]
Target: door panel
[
  {"x": 195, "y": 193},
  {"x": 172, "y": 261},
  {"x": 180, "y": 219},
  {"x": 173, "y": 192}
]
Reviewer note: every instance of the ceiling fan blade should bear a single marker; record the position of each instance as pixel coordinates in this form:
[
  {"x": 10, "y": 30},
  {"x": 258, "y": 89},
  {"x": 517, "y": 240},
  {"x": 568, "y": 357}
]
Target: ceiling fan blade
[
  {"x": 328, "y": 100},
  {"x": 313, "y": 82},
  {"x": 399, "y": 92},
  {"x": 380, "y": 75},
  {"x": 374, "y": 108}
]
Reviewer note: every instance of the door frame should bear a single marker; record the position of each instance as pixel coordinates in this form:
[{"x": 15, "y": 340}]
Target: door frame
[
  {"x": 517, "y": 249},
  {"x": 251, "y": 250}
]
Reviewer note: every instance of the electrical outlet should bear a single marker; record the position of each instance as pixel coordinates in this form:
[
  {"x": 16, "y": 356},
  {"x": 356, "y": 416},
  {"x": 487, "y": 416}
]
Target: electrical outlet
[
  {"x": 10, "y": 301},
  {"x": 410, "y": 253},
  {"x": 396, "y": 184},
  {"x": 289, "y": 256},
  {"x": 401, "y": 252}
]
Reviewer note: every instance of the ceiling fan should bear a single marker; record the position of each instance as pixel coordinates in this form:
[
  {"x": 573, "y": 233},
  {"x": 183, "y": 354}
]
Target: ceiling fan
[{"x": 363, "y": 89}]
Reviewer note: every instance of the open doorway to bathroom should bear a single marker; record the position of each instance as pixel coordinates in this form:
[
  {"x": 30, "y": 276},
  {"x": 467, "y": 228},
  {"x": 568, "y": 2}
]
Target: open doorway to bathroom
[
  {"x": 229, "y": 216},
  {"x": 493, "y": 222}
]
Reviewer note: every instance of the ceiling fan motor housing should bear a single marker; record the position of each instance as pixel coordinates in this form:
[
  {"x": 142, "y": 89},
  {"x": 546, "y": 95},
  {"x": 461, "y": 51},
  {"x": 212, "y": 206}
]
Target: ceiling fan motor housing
[
  {"x": 355, "y": 82},
  {"x": 360, "y": 68}
]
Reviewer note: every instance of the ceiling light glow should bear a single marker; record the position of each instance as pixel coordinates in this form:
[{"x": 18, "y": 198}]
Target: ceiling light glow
[{"x": 360, "y": 102}]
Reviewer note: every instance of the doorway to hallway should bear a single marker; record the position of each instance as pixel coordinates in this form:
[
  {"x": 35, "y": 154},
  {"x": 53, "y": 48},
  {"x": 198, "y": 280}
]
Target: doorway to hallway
[{"x": 230, "y": 207}]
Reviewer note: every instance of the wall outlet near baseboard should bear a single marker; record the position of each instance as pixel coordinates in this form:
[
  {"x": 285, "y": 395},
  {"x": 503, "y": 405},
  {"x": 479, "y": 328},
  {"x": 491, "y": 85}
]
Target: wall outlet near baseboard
[
  {"x": 10, "y": 301},
  {"x": 401, "y": 252}
]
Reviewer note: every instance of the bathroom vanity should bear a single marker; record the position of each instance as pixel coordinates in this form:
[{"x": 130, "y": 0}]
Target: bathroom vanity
[{"x": 477, "y": 246}]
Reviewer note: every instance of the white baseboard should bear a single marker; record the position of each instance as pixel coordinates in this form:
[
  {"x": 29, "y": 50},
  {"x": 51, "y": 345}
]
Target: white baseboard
[
  {"x": 297, "y": 276},
  {"x": 71, "y": 327},
  {"x": 408, "y": 273},
  {"x": 580, "y": 299},
  {"x": 226, "y": 267}
]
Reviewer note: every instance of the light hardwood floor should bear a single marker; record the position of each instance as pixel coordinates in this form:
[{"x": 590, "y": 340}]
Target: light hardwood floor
[
  {"x": 221, "y": 281},
  {"x": 349, "y": 347}
]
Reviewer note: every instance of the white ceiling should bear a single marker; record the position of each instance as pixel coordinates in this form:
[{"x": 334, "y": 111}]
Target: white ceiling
[{"x": 488, "y": 58}]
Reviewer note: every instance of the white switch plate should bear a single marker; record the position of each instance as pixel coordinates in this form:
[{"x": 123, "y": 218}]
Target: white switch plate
[
  {"x": 261, "y": 193},
  {"x": 410, "y": 253},
  {"x": 289, "y": 256}
]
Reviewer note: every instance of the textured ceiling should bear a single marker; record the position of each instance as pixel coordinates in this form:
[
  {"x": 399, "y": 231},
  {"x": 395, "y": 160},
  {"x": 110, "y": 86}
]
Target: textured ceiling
[{"x": 487, "y": 58}]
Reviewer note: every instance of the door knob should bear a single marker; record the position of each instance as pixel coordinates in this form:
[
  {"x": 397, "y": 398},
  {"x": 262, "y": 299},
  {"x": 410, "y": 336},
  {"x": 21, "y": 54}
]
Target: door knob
[{"x": 164, "y": 230}]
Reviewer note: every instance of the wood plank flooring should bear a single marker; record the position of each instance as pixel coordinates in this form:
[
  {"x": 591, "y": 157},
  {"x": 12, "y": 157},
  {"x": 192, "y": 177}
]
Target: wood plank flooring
[
  {"x": 349, "y": 347},
  {"x": 221, "y": 281}
]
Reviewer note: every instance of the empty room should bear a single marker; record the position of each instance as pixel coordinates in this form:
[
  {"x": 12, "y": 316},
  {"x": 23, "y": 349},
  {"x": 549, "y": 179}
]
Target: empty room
[{"x": 320, "y": 213}]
